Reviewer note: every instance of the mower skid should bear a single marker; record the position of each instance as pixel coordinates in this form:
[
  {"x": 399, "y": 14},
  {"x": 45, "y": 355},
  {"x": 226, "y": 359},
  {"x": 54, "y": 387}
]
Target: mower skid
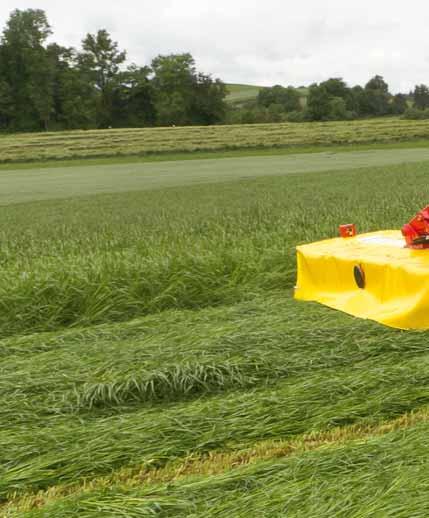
[{"x": 372, "y": 276}]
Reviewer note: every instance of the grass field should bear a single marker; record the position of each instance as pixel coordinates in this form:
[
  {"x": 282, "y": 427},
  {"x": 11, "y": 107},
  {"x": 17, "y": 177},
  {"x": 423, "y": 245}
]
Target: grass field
[
  {"x": 22, "y": 185},
  {"x": 164, "y": 141},
  {"x": 154, "y": 362},
  {"x": 240, "y": 93}
]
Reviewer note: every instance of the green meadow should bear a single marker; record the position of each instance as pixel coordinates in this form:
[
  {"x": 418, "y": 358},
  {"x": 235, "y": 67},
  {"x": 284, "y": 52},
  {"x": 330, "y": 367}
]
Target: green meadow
[{"x": 153, "y": 361}]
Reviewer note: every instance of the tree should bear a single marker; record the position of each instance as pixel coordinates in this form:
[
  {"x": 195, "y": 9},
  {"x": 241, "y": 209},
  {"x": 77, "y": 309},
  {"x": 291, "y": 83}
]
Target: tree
[
  {"x": 173, "y": 81},
  {"x": 101, "y": 62},
  {"x": 288, "y": 98},
  {"x": 377, "y": 98},
  {"x": 338, "y": 109},
  {"x": 6, "y": 112},
  {"x": 208, "y": 100},
  {"x": 399, "y": 104},
  {"x": 74, "y": 97},
  {"x": 133, "y": 100},
  {"x": 416, "y": 114},
  {"x": 357, "y": 101},
  {"x": 184, "y": 96},
  {"x": 275, "y": 113},
  {"x": 421, "y": 97},
  {"x": 26, "y": 69},
  {"x": 318, "y": 103},
  {"x": 377, "y": 83},
  {"x": 336, "y": 87}
]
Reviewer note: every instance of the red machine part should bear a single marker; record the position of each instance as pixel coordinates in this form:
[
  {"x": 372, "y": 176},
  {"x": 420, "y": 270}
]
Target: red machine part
[
  {"x": 348, "y": 230},
  {"x": 416, "y": 232}
]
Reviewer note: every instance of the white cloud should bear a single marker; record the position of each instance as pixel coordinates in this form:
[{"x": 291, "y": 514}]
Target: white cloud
[{"x": 275, "y": 41}]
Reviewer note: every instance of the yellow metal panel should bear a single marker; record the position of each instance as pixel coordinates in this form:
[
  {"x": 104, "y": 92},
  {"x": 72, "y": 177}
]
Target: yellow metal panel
[{"x": 397, "y": 278}]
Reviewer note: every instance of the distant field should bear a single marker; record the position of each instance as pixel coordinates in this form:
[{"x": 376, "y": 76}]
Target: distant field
[
  {"x": 241, "y": 93},
  {"x": 165, "y": 141}
]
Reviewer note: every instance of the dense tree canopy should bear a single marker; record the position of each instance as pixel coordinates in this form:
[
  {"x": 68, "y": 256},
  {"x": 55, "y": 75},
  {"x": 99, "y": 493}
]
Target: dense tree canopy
[
  {"x": 46, "y": 86},
  {"x": 329, "y": 100},
  {"x": 288, "y": 98},
  {"x": 421, "y": 97},
  {"x": 25, "y": 70},
  {"x": 184, "y": 96}
]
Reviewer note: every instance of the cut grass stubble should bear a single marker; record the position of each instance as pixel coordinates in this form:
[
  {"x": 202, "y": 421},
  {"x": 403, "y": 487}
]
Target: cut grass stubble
[{"x": 147, "y": 141}]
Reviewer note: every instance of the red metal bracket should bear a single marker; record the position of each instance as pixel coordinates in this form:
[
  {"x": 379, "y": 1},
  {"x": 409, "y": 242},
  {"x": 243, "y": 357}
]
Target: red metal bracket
[{"x": 416, "y": 232}]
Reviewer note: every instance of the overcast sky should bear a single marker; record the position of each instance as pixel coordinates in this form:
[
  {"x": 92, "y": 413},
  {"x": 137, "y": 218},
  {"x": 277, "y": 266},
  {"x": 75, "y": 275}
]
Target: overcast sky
[{"x": 262, "y": 42}]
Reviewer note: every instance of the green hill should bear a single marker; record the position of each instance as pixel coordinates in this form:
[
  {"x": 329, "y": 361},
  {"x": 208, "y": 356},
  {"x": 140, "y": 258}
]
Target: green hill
[{"x": 240, "y": 93}]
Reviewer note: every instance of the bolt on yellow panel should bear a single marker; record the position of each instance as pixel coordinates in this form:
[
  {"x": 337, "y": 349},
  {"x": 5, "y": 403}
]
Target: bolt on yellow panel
[{"x": 395, "y": 278}]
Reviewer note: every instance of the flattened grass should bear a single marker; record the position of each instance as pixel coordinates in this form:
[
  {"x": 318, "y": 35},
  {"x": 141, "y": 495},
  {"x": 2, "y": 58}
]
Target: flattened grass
[{"x": 298, "y": 376}]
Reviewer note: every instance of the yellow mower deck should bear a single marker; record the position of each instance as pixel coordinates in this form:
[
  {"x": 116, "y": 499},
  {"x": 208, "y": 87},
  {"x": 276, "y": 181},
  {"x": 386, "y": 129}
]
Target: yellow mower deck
[{"x": 396, "y": 291}]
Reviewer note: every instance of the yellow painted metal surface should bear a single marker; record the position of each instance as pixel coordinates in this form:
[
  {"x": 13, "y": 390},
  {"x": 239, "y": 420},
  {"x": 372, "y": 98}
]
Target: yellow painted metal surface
[{"x": 396, "y": 291}]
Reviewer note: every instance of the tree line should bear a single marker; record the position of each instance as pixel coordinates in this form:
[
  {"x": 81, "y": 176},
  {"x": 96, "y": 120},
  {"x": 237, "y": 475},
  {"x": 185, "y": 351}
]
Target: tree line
[
  {"x": 45, "y": 86},
  {"x": 48, "y": 86},
  {"x": 332, "y": 100}
]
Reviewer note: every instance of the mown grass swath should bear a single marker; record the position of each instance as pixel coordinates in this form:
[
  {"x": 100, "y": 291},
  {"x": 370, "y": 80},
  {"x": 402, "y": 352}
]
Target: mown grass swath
[
  {"x": 141, "y": 142},
  {"x": 383, "y": 476}
]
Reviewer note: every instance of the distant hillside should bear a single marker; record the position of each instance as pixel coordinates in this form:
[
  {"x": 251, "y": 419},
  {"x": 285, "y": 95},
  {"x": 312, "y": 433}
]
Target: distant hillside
[{"x": 241, "y": 93}]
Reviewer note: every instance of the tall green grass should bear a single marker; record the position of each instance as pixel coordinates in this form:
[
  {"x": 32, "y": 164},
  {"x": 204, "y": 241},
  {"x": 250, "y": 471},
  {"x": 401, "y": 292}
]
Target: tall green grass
[{"x": 115, "y": 257}]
